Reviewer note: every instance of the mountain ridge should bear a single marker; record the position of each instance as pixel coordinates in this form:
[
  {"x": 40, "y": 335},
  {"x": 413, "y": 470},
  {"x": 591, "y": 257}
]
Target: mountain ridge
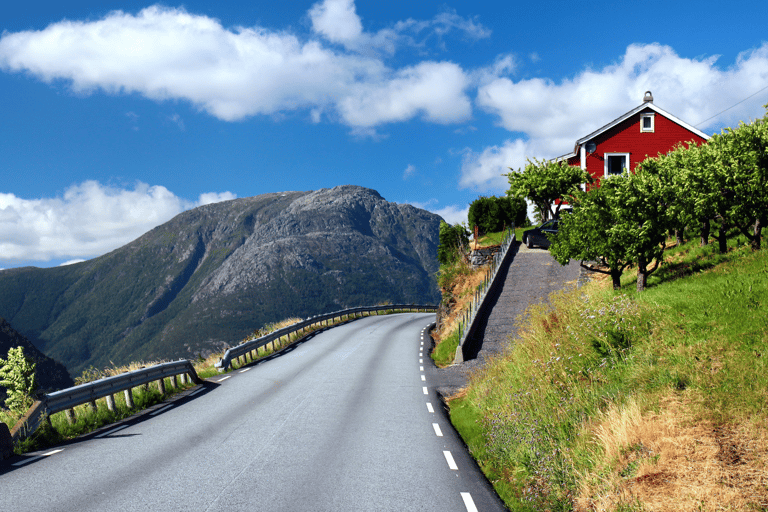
[{"x": 213, "y": 274}]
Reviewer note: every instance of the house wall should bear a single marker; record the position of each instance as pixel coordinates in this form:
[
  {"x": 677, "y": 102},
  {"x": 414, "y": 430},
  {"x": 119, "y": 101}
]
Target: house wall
[{"x": 626, "y": 137}]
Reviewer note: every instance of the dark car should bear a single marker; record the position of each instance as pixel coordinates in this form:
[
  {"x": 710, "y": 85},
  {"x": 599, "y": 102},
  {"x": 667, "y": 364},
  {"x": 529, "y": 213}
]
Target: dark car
[{"x": 538, "y": 236}]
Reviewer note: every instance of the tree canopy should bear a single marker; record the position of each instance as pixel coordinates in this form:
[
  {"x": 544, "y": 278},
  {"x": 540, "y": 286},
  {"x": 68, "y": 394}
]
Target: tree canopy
[{"x": 543, "y": 182}]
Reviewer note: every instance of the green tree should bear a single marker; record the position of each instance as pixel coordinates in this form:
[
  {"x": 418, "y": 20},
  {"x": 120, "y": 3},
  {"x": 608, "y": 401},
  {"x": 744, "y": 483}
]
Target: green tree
[
  {"x": 588, "y": 234},
  {"x": 621, "y": 223},
  {"x": 492, "y": 214},
  {"x": 453, "y": 240},
  {"x": 17, "y": 375},
  {"x": 543, "y": 182}
]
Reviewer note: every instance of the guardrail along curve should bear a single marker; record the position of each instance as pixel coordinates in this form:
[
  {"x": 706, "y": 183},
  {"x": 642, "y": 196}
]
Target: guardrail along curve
[{"x": 89, "y": 392}]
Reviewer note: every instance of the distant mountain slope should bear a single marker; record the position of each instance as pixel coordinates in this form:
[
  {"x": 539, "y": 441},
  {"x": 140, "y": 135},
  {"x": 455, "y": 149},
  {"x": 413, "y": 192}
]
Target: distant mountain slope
[
  {"x": 213, "y": 274},
  {"x": 51, "y": 375}
]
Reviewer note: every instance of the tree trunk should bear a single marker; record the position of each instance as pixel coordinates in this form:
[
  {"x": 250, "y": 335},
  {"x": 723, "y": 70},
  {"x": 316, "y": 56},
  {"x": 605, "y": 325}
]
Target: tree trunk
[
  {"x": 679, "y": 236},
  {"x": 722, "y": 238},
  {"x": 704, "y": 232},
  {"x": 616, "y": 278},
  {"x": 642, "y": 273},
  {"x": 759, "y": 223}
]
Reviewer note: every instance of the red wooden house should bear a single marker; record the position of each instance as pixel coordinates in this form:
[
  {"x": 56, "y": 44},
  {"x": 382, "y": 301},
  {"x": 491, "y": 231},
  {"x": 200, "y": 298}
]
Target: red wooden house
[{"x": 644, "y": 131}]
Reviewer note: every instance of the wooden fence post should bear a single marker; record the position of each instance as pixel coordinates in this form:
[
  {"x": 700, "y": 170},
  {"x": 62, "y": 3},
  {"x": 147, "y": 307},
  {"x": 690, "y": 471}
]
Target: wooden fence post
[
  {"x": 161, "y": 386},
  {"x": 111, "y": 402}
]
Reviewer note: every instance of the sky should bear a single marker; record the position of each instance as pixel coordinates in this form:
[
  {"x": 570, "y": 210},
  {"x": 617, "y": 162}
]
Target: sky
[{"x": 115, "y": 116}]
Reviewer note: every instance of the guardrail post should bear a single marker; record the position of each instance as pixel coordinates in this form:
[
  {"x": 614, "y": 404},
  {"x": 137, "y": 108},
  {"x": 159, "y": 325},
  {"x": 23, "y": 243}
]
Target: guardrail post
[
  {"x": 129, "y": 398},
  {"x": 161, "y": 386},
  {"x": 70, "y": 413},
  {"x": 183, "y": 378},
  {"x": 92, "y": 405},
  {"x": 110, "y": 402},
  {"x": 174, "y": 384}
]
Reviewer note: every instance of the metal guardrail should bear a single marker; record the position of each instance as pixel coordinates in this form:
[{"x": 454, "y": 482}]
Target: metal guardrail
[
  {"x": 468, "y": 323},
  {"x": 66, "y": 399},
  {"x": 249, "y": 346}
]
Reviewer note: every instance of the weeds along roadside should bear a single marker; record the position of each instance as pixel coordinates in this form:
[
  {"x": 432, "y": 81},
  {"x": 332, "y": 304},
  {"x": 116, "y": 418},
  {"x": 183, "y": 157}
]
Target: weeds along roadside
[
  {"x": 633, "y": 401},
  {"x": 88, "y": 419}
]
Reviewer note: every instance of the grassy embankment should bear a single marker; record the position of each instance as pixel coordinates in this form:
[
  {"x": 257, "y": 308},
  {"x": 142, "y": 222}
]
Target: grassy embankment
[
  {"x": 626, "y": 401},
  {"x": 458, "y": 283},
  {"x": 88, "y": 419}
]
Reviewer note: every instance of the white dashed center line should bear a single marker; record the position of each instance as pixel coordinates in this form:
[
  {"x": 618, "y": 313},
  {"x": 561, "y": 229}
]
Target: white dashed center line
[
  {"x": 421, "y": 368},
  {"x": 438, "y": 432},
  {"x": 450, "y": 461},
  {"x": 468, "y": 502},
  {"x": 424, "y": 389},
  {"x": 423, "y": 378},
  {"x": 245, "y": 370},
  {"x": 429, "y": 407},
  {"x": 223, "y": 379}
]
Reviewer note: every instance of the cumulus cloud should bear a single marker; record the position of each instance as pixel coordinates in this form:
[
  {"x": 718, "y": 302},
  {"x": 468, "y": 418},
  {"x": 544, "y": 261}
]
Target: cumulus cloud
[
  {"x": 551, "y": 115},
  {"x": 90, "y": 219},
  {"x": 453, "y": 214},
  {"x": 233, "y": 73}
]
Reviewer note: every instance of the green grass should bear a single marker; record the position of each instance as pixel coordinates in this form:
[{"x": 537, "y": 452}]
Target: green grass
[
  {"x": 698, "y": 333},
  {"x": 445, "y": 351}
]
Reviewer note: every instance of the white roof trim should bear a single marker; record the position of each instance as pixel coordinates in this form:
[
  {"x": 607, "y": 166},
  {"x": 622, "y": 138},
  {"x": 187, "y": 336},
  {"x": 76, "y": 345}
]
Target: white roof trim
[
  {"x": 564, "y": 157},
  {"x": 634, "y": 111}
]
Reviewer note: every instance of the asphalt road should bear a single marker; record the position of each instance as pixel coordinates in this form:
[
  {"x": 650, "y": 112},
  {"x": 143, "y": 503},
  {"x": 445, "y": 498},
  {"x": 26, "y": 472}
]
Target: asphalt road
[{"x": 347, "y": 420}]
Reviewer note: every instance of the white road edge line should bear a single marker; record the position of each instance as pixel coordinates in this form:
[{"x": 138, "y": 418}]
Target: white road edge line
[
  {"x": 468, "y": 502},
  {"x": 108, "y": 432},
  {"x": 31, "y": 459},
  {"x": 430, "y": 408},
  {"x": 450, "y": 461},
  {"x": 224, "y": 378},
  {"x": 243, "y": 371},
  {"x": 162, "y": 409},
  {"x": 195, "y": 392},
  {"x": 438, "y": 432}
]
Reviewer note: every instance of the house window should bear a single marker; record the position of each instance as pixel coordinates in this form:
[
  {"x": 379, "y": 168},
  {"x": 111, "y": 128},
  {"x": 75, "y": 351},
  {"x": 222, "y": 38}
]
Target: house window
[
  {"x": 646, "y": 123},
  {"x": 616, "y": 163}
]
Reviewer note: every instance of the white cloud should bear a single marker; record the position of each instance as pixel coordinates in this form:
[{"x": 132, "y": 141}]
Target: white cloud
[
  {"x": 214, "y": 197},
  {"x": 166, "y": 53},
  {"x": 336, "y": 20},
  {"x": 552, "y": 115},
  {"x": 88, "y": 220},
  {"x": 453, "y": 214},
  {"x": 410, "y": 171}
]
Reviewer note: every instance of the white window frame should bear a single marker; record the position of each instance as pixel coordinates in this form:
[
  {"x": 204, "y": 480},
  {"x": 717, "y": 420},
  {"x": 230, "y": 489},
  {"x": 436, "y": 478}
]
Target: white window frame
[
  {"x": 643, "y": 117},
  {"x": 605, "y": 162}
]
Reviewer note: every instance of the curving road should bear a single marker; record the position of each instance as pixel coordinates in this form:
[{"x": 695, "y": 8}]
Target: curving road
[{"x": 346, "y": 420}]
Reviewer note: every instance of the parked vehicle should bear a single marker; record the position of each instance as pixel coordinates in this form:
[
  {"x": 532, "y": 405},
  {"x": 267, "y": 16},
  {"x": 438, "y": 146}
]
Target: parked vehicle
[{"x": 538, "y": 236}]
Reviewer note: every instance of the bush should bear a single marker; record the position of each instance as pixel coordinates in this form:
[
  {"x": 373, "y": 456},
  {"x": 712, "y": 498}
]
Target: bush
[
  {"x": 17, "y": 375},
  {"x": 492, "y": 214},
  {"x": 453, "y": 239}
]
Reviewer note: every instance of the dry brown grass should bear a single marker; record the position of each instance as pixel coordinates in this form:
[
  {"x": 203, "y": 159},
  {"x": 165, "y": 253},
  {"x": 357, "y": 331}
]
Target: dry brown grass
[
  {"x": 665, "y": 461},
  {"x": 463, "y": 290}
]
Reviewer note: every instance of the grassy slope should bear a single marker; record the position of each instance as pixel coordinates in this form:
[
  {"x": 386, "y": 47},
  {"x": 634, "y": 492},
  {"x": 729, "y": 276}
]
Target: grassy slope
[{"x": 634, "y": 401}]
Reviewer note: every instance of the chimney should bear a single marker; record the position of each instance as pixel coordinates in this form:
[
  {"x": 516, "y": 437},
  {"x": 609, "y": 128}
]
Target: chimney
[{"x": 648, "y": 98}]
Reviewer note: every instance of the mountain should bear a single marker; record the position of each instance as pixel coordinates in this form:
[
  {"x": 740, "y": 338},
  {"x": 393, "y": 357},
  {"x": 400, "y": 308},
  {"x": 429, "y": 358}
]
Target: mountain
[
  {"x": 211, "y": 275},
  {"x": 50, "y": 375}
]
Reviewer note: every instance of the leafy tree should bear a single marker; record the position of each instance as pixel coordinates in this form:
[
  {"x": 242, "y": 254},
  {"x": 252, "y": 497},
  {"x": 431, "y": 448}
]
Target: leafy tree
[
  {"x": 492, "y": 214},
  {"x": 623, "y": 222},
  {"x": 17, "y": 375},
  {"x": 453, "y": 240},
  {"x": 545, "y": 181},
  {"x": 589, "y": 233}
]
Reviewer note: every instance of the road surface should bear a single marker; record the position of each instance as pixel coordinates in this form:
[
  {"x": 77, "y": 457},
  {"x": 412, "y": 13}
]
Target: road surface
[{"x": 346, "y": 420}]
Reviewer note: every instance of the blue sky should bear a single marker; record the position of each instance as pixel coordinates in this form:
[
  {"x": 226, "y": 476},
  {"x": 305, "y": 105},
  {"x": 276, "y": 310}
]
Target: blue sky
[{"x": 116, "y": 116}]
